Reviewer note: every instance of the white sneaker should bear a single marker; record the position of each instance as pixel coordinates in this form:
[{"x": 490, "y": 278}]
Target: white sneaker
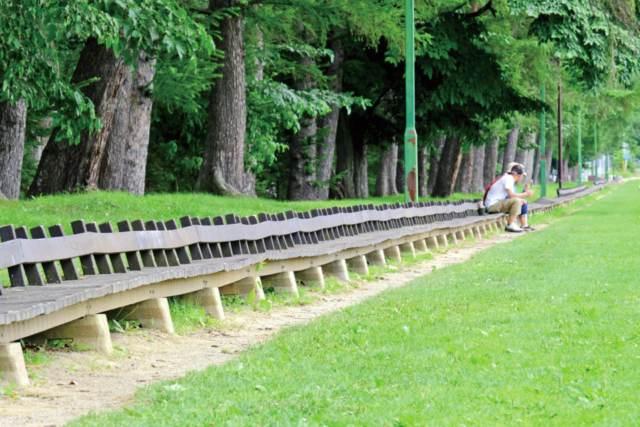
[{"x": 514, "y": 228}]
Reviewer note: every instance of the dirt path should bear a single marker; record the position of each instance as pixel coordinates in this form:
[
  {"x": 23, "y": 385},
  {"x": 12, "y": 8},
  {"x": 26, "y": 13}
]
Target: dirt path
[{"x": 75, "y": 383}]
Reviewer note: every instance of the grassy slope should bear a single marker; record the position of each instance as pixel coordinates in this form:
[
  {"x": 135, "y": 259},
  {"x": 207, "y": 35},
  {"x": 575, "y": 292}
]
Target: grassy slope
[{"x": 542, "y": 330}]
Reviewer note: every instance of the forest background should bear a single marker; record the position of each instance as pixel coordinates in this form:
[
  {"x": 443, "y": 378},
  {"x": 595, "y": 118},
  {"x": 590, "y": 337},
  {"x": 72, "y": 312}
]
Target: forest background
[{"x": 304, "y": 99}]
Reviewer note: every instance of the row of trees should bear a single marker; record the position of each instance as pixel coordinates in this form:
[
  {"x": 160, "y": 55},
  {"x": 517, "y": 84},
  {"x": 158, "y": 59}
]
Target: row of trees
[{"x": 301, "y": 99}]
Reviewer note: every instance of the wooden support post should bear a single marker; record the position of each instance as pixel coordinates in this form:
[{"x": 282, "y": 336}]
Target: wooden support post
[
  {"x": 442, "y": 240},
  {"x": 452, "y": 238},
  {"x": 393, "y": 253},
  {"x": 476, "y": 232},
  {"x": 152, "y": 314},
  {"x": 460, "y": 235},
  {"x": 432, "y": 242}
]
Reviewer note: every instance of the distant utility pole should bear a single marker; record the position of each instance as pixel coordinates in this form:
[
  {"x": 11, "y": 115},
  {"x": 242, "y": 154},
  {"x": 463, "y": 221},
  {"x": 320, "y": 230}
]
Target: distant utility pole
[
  {"x": 580, "y": 147},
  {"x": 559, "y": 124},
  {"x": 543, "y": 159},
  {"x": 410, "y": 134}
]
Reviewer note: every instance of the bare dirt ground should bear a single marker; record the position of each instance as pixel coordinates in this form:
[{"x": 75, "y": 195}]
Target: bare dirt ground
[{"x": 75, "y": 383}]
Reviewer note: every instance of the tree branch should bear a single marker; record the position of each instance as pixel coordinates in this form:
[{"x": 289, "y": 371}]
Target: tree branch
[{"x": 482, "y": 10}]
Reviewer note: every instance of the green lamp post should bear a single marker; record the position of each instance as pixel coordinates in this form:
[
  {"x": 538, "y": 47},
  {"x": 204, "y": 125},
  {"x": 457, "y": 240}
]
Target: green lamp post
[
  {"x": 410, "y": 134},
  {"x": 595, "y": 151},
  {"x": 580, "y": 147},
  {"x": 543, "y": 159}
]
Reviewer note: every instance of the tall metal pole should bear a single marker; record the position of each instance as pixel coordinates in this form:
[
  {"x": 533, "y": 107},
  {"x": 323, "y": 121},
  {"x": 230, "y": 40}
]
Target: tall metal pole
[
  {"x": 595, "y": 150},
  {"x": 559, "y": 126},
  {"x": 543, "y": 159},
  {"x": 410, "y": 134},
  {"x": 580, "y": 147}
]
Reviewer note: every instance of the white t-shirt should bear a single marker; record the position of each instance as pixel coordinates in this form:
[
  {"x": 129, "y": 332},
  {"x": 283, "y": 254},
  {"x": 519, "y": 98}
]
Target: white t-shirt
[{"x": 498, "y": 191}]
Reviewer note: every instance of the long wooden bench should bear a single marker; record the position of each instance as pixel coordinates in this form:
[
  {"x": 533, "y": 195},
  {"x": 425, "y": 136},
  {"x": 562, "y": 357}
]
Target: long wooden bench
[
  {"x": 62, "y": 286},
  {"x": 562, "y": 192}
]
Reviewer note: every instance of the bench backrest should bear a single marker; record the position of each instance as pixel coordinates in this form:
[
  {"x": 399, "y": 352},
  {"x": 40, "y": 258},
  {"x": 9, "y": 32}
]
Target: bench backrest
[{"x": 98, "y": 249}]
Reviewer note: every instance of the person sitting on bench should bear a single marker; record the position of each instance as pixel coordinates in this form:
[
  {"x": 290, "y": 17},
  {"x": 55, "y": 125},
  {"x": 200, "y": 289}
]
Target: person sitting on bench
[{"x": 500, "y": 196}]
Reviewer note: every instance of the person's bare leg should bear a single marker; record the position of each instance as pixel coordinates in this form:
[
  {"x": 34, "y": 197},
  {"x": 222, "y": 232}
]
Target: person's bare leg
[{"x": 512, "y": 218}]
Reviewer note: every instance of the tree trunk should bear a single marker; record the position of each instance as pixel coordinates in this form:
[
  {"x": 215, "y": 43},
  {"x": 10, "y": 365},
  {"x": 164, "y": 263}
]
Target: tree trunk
[
  {"x": 386, "y": 179},
  {"x": 66, "y": 167},
  {"x": 448, "y": 169},
  {"x": 500, "y": 161},
  {"x": 125, "y": 160},
  {"x": 222, "y": 170},
  {"x": 530, "y": 165},
  {"x": 490, "y": 162},
  {"x": 511, "y": 148},
  {"x": 326, "y": 149},
  {"x": 565, "y": 170},
  {"x": 393, "y": 169},
  {"x": 345, "y": 158},
  {"x": 521, "y": 157},
  {"x": 477, "y": 180},
  {"x": 360, "y": 176},
  {"x": 398, "y": 184},
  {"x": 549, "y": 157},
  {"x": 422, "y": 172},
  {"x": 13, "y": 122},
  {"x": 465, "y": 174},
  {"x": 302, "y": 150},
  {"x": 536, "y": 167},
  {"x": 434, "y": 162}
]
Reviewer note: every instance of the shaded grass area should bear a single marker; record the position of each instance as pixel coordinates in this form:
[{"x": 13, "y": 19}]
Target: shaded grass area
[{"x": 541, "y": 330}]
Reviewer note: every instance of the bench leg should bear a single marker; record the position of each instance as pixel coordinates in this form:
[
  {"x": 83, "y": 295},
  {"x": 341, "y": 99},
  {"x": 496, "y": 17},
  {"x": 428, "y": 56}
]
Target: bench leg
[
  {"x": 432, "y": 242},
  {"x": 460, "y": 236},
  {"x": 393, "y": 252},
  {"x": 359, "y": 265},
  {"x": 91, "y": 331},
  {"x": 476, "y": 232},
  {"x": 209, "y": 300},
  {"x": 468, "y": 232},
  {"x": 408, "y": 248},
  {"x": 311, "y": 276},
  {"x": 442, "y": 240},
  {"x": 421, "y": 246},
  {"x": 337, "y": 268},
  {"x": 152, "y": 314},
  {"x": 483, "y": 230},
  {"x": 376, "y": 257},
  {"x": 12, "y": 365},
  {"x": 283, "y": 283},
  {"x": 451, "y": 237}
]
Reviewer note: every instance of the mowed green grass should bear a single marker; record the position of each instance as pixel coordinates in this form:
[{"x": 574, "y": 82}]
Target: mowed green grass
[{"x": 542, "y": 330}]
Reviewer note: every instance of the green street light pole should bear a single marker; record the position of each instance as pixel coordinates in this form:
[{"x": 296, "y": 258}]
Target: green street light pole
[
  {"x": 595, "y": 150},
  {"x": 410, "y": 134},
  {"x": 543, "y": 159},
  {"x": 580, "y": 147}
]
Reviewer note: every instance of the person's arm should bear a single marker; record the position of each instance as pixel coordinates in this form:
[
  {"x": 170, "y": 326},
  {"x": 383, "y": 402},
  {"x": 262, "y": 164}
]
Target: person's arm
[{"x": 527, "y": 193}]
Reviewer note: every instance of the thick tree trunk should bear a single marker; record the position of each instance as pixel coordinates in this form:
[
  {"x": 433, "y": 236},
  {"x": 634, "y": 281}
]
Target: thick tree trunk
[
  {"x": 536, "y": 167},
  {"x": 222, "y": 170},
  {"x": 477, "y": 180},
  {"x": 511, "y": 148},
  {"x": 501, "y": 162},
  {"x": 530, "y": 165},
  {"x": 393, "y": 169},
  {"x": 13, "y": 122},
  {"x": 448, "y": 169},
  {"x": 302, "y": 150},
  {"x": 465, "y": 174},
  {"x": 434, "y": 163},
  {"x": 327, "y": 147},
  {"x": 565, "y": 170},
  {"x": 360, "y": 176},
  {"x": 386, "y": 179},
  {"x": 490, "y": 162},
  {"x": 398, "y": 185},
  {"x": 549, "y": 157},
  {"x": 345, "y": 158},
  {"x": 65, "y": 167},
  {"x": 521, "y": 157},
  {"x": 422, "y": 172},
  {"x": 125, "y": 160}
]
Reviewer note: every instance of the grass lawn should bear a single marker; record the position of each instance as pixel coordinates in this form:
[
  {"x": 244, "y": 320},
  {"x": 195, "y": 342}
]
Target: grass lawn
[{"x": 539, "y": 331}]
